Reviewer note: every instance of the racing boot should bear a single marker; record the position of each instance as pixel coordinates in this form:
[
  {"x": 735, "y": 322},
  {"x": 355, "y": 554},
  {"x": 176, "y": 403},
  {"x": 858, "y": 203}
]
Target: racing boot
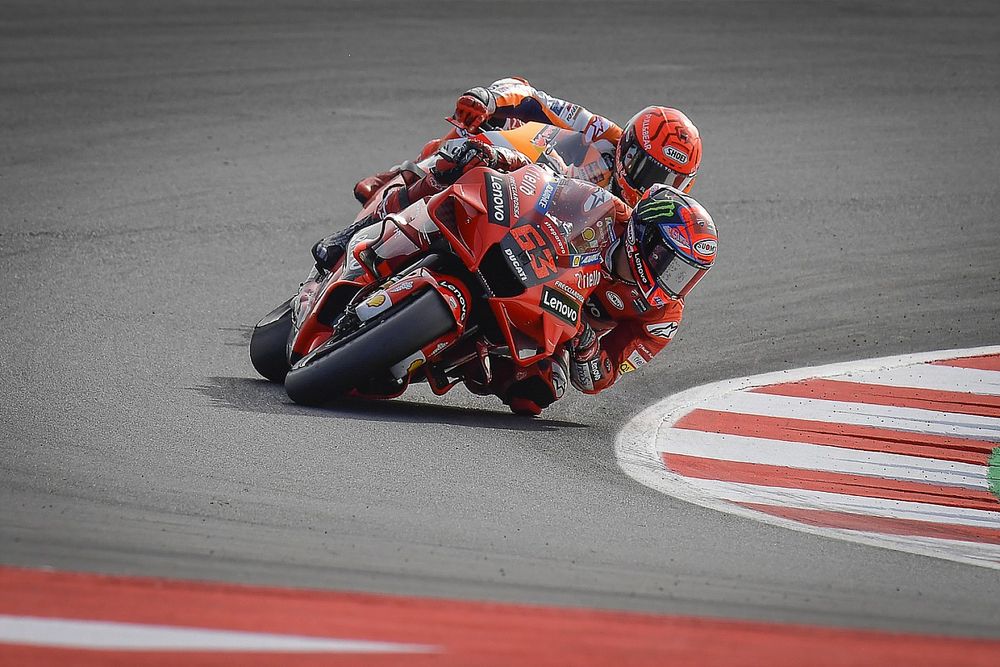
[
  {"x": 544, "y": 384},
  {"x": 419, "y": 184},
  {"x": 328, "y": 250}
]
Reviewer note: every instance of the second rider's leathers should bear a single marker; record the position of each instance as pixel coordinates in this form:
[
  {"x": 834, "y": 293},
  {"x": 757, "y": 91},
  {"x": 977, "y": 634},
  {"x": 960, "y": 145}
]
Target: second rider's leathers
[{"x": 518, "y": 102}]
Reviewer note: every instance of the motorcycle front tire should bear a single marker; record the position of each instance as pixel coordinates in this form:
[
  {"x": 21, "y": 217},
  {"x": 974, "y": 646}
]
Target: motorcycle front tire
[
  {"x": 269, "y": 343},
  {"x": 381, "y": 343}
]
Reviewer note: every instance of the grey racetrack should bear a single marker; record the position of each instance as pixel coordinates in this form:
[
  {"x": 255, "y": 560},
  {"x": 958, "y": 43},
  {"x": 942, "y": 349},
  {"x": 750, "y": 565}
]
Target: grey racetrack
[{"x": 165, "y": 166}]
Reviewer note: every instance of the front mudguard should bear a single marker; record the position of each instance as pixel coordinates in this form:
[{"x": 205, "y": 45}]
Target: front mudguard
[
  {"x": 453, "y": 293},
  {"x": 398, "y": 289}
]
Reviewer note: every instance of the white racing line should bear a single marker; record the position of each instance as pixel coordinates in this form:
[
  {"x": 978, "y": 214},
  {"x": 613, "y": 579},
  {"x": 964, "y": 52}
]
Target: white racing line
[
  {"x": 108, "y": 635},
  {"x": 639, "y": 446}
]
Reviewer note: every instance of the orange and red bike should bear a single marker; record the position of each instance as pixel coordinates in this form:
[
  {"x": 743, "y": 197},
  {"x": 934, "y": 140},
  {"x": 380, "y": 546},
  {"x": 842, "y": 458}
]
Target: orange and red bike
[{"x": 494, "y": 270}]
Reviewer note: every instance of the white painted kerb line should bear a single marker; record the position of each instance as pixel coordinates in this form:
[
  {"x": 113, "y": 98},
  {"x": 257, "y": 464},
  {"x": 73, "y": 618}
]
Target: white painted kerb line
[
  {"x": 107, "y": 635},
  {"x": 910, "y": 420},
  {"x": 639, "y": 445},
  {"x": 807, "y": 456}
]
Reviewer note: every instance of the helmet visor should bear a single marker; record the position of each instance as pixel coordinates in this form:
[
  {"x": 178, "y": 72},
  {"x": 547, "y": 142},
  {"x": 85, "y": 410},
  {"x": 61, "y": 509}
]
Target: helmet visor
[
  {"x": 676, "y": 274},
  {"x": 643, "y": 171}
]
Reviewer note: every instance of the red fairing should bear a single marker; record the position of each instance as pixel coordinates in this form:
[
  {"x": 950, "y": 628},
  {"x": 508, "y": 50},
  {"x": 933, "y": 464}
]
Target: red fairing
[
  {"x": 521, "y": 261},
  {"x": 454, "y": 294},
  {"x": 552, "y": 233}
]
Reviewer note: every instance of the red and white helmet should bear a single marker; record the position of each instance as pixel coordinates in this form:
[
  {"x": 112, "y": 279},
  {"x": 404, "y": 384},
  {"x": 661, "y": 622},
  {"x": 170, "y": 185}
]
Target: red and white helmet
[{"x": 658, "y": 145}]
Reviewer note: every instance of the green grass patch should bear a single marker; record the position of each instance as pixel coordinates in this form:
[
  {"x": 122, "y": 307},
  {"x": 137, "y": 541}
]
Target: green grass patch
[{"x": 993, "y": 474}]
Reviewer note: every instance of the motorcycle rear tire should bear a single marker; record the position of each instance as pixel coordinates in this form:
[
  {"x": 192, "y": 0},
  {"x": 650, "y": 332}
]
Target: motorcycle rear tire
[
  {"x": 269, "y": 342},
  {"x": 382, "y": 342}
]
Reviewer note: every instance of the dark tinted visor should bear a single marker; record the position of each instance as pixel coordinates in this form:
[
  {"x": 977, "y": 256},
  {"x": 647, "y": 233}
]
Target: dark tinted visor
[
  {"x": 674, "y": 273},
  {"x": 642, "y": 170}
]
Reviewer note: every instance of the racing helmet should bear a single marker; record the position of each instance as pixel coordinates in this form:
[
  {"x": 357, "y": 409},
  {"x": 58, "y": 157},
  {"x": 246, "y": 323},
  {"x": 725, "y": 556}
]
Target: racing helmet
[
  {"x": 670, "y": 243},
  {"x": 658, "y": 145}
]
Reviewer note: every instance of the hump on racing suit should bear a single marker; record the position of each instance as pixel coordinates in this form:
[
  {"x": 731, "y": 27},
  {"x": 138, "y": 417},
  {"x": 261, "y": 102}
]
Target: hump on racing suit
[{"x": 517, "y": 101}]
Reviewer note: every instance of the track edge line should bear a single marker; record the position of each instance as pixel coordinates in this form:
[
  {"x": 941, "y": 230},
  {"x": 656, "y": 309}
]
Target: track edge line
[{"x": 636, "y": 454}]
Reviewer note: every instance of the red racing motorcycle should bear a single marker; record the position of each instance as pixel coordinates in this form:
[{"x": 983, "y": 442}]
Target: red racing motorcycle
[{"x": 495, "y": 266}]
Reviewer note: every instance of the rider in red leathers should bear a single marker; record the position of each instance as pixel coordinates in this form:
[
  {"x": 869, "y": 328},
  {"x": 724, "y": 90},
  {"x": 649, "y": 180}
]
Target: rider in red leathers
[
  {"x": 663, "y": 247},
  {"x": 655, "y": 254},
  {"x": 660, "y": 250}
]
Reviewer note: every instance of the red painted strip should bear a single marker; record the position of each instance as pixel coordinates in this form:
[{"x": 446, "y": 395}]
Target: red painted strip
[
  {"x": 879, "y": 394},
  {"x": 989, "y": 362},
  {"x": 470, "y": 633},
  {"x": 830, "y": 482},
  {"x": 877, "y": 524},
  {"x": 863, "y": 438}
]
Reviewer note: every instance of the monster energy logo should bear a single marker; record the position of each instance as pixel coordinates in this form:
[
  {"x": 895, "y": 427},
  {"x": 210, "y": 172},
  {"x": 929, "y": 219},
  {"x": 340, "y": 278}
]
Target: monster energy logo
[{"x": 659, "y": 209}]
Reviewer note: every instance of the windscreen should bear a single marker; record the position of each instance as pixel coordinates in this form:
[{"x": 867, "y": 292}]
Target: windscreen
[{"x": 584, "y": 214}]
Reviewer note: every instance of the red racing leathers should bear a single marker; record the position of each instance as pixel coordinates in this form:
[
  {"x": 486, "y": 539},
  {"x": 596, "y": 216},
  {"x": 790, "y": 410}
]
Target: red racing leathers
[{"x": 630, "y": 331}]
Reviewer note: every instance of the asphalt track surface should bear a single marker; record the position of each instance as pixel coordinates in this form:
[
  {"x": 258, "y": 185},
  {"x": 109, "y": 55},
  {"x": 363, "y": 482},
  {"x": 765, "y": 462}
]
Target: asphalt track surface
[{"x": 165, "y": 167}]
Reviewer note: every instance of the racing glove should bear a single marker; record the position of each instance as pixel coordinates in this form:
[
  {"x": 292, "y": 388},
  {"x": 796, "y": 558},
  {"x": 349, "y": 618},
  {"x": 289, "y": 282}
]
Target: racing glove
[
  {"x": 451, "y": 164},
  {"x": 589, "y": 367},
  {"x": 473, "y": 153},
  {"x": 584, "y": 346},
  {"x": 474, "y": 108}
]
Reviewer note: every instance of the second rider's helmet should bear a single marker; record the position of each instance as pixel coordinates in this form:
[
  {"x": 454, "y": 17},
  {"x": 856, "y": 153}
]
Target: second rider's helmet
[
  {"x": 670, "y": 243},
  {"x": 658, "y": 145}
]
